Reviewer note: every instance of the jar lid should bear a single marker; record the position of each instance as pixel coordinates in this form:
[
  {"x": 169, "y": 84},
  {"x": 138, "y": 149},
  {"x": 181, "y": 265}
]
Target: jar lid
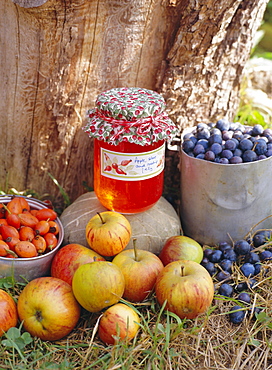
[{"x": 130, "y": 114}]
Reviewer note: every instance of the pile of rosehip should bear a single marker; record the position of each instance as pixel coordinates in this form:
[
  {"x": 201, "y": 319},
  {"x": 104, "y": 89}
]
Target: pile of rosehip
[
  {"x": 227, "y": 142},
  {"x": 26, "y": 232},
  {"x": 250, "y": 256}
]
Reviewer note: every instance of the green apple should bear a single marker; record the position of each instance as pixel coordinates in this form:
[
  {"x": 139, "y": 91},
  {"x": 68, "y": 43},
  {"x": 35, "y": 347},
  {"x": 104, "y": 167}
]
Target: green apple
[
  {"x": 98, "y": 285},
  {"x": 186, "y": 287},
  {"x": 181, "y": 247}
]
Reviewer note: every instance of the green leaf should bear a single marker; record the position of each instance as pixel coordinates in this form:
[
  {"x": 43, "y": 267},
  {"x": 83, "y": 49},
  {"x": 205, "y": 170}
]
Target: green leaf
[
  {"x": 13, "y": 334},
  {"x": 20, "y": 343},
  {"x": 160, "y": 327},
  {"x": 7, "y": 282},
  {"x": 262, "y": 317},
  {"x": 176, "y": 317},
  {"x": 15, "y": 339},
  {"x": 27, "y": 338},
  {"x": 7, "y": 343},
  {"x": 254, "y": 342}
]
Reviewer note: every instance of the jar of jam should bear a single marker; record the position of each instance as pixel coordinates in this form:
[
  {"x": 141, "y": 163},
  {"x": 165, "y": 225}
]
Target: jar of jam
[{"x": 130, "y": 128}]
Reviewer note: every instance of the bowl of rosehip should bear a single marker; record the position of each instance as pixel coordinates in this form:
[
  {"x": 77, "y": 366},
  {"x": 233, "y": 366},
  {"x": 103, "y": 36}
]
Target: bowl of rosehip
[{"x": 30, "y": 235}]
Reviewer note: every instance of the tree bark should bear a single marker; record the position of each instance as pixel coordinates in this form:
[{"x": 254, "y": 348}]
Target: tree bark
[
  {"x": 57, "y": 56},
  {"x": 206, "y": 62}
]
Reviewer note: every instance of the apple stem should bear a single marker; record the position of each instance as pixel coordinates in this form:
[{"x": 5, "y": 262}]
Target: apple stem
[
  {"x": 101, "y": 218},
  {"x": 135, "y": 249},
  {"x": 182, "y": 270}
]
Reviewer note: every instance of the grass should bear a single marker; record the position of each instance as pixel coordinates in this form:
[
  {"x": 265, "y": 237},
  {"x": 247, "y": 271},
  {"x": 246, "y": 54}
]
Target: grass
[{"x": 164, "y": 341}]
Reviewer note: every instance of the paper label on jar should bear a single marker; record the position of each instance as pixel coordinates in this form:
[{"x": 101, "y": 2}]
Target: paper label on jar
[{"x": 132, "y": 166}]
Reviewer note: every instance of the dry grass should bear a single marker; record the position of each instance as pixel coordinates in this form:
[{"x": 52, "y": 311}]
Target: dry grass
[{"x": 163, "y": 341}]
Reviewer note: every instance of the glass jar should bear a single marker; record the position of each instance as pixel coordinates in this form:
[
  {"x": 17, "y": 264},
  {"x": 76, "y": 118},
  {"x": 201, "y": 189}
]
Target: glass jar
[
  {"x": 128, "y": 178},
  {"x": 130, "y": 130}
]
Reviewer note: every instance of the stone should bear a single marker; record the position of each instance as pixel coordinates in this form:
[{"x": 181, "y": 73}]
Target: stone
[{"x": 150, "y": 228}]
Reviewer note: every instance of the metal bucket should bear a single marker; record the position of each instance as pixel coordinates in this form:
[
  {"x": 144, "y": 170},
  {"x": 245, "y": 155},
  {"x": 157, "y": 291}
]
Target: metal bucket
[{"x": 222, "y": 202}]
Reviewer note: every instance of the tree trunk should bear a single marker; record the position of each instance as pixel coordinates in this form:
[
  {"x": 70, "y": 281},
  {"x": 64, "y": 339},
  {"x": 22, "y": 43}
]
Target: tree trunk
[
  {"x": 57, "y": 56},
  {"x": 206, "y": 62}
]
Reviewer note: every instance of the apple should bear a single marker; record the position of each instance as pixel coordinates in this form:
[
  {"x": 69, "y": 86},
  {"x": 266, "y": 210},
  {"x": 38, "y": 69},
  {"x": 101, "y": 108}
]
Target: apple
[
  {"x": 98, "y": 285},
  {"x": 187, "y": 288},
  {"x": 140, "y": 269},
  {"x": 8, "y": 312},
  {"x": 69, "y": 258},
  {"x": 108, "y": 233},
  {"x": 48, "y": 309},
  {"x": 181, "y": 247},
  {"x": 119, "y": 322}
]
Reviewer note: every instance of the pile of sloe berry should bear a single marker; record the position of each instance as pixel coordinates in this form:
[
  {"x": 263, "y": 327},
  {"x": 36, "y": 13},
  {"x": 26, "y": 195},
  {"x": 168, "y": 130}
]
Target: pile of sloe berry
[
  {"x": 228, "y": 142},
  {"x": 250, "y": 256}
]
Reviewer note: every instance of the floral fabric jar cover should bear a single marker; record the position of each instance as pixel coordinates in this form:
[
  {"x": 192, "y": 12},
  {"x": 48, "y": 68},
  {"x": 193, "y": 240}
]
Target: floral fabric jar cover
[{"x": 130, "y": 114}]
